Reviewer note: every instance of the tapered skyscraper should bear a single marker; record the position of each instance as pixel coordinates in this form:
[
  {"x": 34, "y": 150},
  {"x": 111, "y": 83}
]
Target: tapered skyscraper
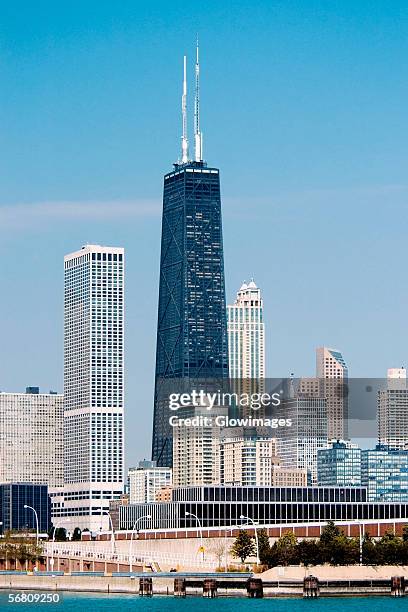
[{"x": 192, "y": 327}]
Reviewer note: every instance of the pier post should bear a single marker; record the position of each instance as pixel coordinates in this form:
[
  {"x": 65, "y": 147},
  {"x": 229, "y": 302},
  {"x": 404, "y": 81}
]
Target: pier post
[
  {"x": 145, "y": 587},
  {"x": 254, "y": 588},
  {"x": 179, "y": 587},
  {"x": 209, "y": 587},
  {"x": 311, "y": 586},
  {"x": 398, "y": 586}
]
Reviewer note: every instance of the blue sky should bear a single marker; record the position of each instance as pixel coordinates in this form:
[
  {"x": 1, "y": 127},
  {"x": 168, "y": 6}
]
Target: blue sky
[{"x": 303, "y": 110}]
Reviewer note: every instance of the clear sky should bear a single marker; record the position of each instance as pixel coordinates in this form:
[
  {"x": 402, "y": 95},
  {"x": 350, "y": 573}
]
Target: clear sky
[{"x": 304, "y": 110}]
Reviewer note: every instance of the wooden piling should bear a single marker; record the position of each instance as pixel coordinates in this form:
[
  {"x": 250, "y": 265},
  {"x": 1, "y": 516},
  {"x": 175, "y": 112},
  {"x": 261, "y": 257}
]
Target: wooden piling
[
  {"x": 311, "y": 586},
  {"x": 145, "y": 587},
  {"x": 209, "y": 587},
  {"x": 254, "y": 588},
  {"x": 398, "y": 586},
  {"x": 180, "y": 587}
]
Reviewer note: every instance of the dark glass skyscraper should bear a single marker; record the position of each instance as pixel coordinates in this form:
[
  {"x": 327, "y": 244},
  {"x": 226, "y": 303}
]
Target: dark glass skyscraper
[{"x": 192, "y": 329}]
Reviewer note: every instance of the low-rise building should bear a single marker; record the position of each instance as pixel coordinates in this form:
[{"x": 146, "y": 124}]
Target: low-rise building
[
  {"x": 114, "y": 505},
  {"x": 289, "y": 477},
  {"x": 223, "y": 506},
  {"x": 164, "y": 494}
]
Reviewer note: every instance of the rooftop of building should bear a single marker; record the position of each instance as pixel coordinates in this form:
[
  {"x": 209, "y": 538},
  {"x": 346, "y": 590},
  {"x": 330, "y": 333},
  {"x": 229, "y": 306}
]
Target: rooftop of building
[
  {"x": 32, "y": 391},
  {"x": 94, "y": 248}
]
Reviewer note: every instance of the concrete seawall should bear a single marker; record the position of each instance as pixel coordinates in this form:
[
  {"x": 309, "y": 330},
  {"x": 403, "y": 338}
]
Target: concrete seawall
[
  {"x": 288, "y": 586},
  {"x": 96, "y": 584}
]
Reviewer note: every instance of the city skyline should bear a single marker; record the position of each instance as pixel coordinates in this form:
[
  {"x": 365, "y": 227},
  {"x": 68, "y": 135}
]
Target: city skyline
[{"x": 366, "y": 198}]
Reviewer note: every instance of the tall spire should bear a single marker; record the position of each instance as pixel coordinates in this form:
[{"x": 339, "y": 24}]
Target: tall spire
[
  {"x": 184, "y": 139},
  {"x": 198, "y": 137}
]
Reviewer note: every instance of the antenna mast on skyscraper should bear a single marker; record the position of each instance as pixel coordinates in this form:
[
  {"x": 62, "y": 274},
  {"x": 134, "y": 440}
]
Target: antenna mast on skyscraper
[
  {"x": 198, "y": 145},
  {"x": 184, "y": 139}
]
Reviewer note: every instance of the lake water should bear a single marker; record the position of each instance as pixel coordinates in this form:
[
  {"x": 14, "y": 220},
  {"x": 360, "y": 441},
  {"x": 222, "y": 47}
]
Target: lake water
[{"x": 122, "y": 603}]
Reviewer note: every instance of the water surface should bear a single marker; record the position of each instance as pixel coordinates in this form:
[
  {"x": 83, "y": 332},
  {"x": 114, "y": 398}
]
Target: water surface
[{"x": 72, "y": 602}]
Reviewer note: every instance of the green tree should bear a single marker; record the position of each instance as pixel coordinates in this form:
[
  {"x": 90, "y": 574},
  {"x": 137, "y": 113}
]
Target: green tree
[
  {"x": 76, "y": 536},
  {"x": 27, "y": 551},
  {"x": 405, "y": 533},
  {"x": 343, "y": 550},
  {"x": 244, "y": 546},
  {"x": 309, "y": 552},
  {"x": 60, "y": 534},
  {"x": 329, "y": 540},
  {"x": 264, "y": 547},
  {"x": 286, "y": 549},
  {"x": 390, "y": 549},
  {"x": 10, "y": 551},
  {"x": 22, "y": 553},
  {"x": 329, "y": 532},
  {"x": 370, "y": 553}
]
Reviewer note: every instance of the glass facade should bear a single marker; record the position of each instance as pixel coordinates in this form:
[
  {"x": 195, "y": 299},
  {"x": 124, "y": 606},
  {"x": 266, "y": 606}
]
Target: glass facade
[
  {"x": 13, "y": 498},
  {"x": 191, "y": 327},
  {"x": 223, "y": 506},
  {"x": 384, "y": 472},
  {"x": 339, "y": 465}
]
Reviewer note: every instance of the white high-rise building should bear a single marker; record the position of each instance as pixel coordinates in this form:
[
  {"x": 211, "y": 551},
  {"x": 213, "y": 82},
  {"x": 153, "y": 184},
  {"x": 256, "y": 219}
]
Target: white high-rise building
[
  {"x": 246, "y": 340},
  {"x": 146, "y": 481},
  {"x": 31, "y": 437},
  {"x": 332, "y": 372},
  {"x": 196, "y": 449},
  {"x": 246, "y": 334},
  {"x": 397, "y": 378},
  {"x": 392, "y": 414},
  {"x": 247, "y": 457},
  {"x": 299, "y": 443},
  {"x": 93, "y": 384}
]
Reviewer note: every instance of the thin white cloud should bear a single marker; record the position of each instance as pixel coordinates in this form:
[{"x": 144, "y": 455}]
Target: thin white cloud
[
  {"x": 23, "y": 215},
  {"x": 287, "y": 203}
]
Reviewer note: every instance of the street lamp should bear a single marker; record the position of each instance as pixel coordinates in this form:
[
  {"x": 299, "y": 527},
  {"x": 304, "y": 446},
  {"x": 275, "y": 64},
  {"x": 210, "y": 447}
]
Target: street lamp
[
  {"x": 113, "y": 533},
  {"x": 360, "y": 537},
  {"x": 248, "y": 518},
  {"x": 36, "y": 519},
  {"x": 146, "y": 516},
  {"x": 54, "y": 529},
  {"x": 200, "y": 528}
]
